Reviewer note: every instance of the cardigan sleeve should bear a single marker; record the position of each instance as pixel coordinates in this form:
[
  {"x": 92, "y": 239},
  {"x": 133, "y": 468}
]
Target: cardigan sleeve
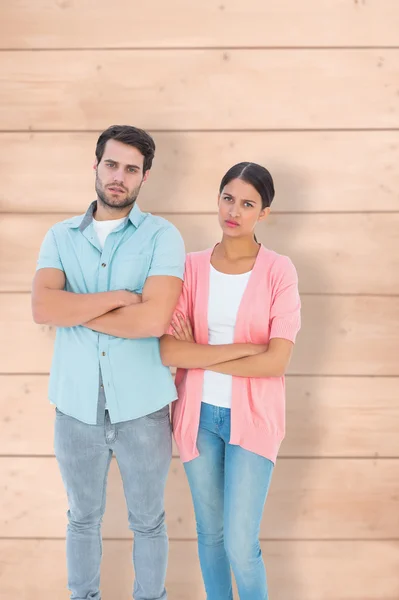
[
  {"x": 182, "y": 306},
  {"x": 285, "y": 312}
]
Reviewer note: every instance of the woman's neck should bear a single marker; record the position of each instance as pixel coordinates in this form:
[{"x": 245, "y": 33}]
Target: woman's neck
[{"x": 233, "y": 249}]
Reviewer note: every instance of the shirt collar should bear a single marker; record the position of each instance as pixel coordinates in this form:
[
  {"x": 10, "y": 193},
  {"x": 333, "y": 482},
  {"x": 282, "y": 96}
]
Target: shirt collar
[{"x": 135, "y": 216}]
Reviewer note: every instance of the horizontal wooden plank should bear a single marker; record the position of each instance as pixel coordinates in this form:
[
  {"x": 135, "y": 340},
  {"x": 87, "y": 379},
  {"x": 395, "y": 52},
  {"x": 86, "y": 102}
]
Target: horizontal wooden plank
[
  {"x": 57, "y": 174},
  {"x": 326, "y": 416},
  {"x": 341, "y": 335},
  {"x": 296, "y": 570},
  {"x": 308, "y": 499},
  {"x": 332, "y": 253},
  {"x": 242, "y": 89},
  {"x": 52, "y": 24}
]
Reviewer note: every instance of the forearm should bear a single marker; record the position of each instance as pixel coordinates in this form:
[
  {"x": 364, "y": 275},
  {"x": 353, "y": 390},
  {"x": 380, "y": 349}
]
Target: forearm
[
  {"x": 189, "y": 355},
  {"x": 67, "y": 309},
  {"x": 135, "y": 321},
  {"x": 266, "y": 364}
]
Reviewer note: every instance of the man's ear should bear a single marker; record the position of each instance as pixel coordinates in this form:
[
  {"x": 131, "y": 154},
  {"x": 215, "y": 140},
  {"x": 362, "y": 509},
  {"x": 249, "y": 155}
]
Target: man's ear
[
  {"x": 95, "y": 165},
  {"x": 146, "y": 175}
]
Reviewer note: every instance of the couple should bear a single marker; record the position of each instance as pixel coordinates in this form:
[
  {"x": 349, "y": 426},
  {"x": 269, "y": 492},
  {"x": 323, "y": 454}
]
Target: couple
[{"x": 128, "y": 304}]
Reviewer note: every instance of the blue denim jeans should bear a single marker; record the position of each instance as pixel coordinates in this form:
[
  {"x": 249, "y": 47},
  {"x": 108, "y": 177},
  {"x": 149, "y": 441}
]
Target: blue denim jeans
[
  {"x": 229, "y": 486},
  {"x": 143, "y": 450}
]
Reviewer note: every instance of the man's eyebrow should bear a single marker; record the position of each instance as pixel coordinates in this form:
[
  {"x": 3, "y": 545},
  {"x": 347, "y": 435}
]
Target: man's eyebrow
[{"x": 116, "y": 162}]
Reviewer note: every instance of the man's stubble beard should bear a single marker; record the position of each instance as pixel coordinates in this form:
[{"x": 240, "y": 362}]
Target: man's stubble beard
[{"x": 129, "y": 200}]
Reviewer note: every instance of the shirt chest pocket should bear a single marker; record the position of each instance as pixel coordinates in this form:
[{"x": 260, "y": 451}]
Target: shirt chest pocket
[{"x": 130, "y": 272}]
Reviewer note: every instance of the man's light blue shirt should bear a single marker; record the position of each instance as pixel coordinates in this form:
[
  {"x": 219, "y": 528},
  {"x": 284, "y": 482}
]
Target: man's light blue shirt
[{"x": 135, "y": 381}]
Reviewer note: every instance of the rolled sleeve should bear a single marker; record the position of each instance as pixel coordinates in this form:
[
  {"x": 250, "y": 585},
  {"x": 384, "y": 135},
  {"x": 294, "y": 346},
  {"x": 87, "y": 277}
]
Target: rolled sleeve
[
  {"x": 182, "y": 306},
  {"x": 285, "y": 313},
  {"x": 169, "y": 254},
  {"x": 49, "y": 256}
]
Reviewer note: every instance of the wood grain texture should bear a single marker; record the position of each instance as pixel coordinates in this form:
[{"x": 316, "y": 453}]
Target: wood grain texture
[
  {"x": 311, "y": 91},
  {"x": 341, "y": 335},
  {"x": 326, "y": 417},
  {"x": 67, "y": 24},
  {"x": 329, "y": 171},
  {"x": 334, "y": 253},
  {"x": 296, "y": 570},
  {"x": 246, "y": 89},
  {"x": 308, "y": 499}
]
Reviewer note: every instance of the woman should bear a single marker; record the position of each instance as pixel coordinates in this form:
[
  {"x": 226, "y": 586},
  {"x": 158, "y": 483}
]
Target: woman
[{"x": 231, "y": 338}]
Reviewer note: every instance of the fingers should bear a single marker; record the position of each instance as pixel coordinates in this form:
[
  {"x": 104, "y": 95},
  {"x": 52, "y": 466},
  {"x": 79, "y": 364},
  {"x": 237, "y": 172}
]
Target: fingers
[
  {"x": 183, "y": 325},
  {"x": 177, "y": 331},
  {"x": 182, "y": 329},
  {"x": 190, "y": 329}
]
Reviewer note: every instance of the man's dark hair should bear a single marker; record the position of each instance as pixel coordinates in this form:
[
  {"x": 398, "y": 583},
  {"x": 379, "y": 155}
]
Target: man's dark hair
[{"x": 132, "y": 136}]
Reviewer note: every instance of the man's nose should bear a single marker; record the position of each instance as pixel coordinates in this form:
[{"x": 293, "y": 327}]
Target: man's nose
[{"x": 119, "y": 175}]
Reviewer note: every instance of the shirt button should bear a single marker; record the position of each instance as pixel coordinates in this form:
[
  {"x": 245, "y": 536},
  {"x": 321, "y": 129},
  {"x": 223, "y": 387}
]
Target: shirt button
[
  {"x": 101, "y": 386},
  {"x": 104, "y": 265},
  {"x": 103, "y": 353}
]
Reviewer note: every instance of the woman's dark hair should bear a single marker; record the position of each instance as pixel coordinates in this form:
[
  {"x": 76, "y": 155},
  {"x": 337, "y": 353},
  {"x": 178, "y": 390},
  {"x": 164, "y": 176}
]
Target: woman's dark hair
[
  {"x": 132, "y": 136},
  {"x": 254, "y": 174}
]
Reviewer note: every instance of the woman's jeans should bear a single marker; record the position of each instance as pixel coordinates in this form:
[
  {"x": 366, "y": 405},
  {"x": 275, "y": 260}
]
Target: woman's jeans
[
  {"x": 229, "y": 486},
  {"x": 143, "y": 450}
]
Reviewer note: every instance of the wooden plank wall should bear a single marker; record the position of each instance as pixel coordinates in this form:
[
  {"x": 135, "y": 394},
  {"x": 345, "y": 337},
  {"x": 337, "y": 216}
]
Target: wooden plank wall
[{"x": 311, "y": 90}]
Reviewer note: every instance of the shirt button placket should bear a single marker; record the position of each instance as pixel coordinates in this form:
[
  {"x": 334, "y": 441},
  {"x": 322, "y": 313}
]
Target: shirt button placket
[{"x": 103, "y": 275}]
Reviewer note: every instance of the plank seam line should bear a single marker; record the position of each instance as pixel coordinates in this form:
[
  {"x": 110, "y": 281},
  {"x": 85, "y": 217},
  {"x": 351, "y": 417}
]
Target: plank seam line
[
  {"x": 371, "y": 458},
  {"x": 308, "y": 375},
  {"x": 303, "y": 294},
  {"x": 288, "y": 48},
  {"x": 224, "y": 131},
  {"x": 183, "y": 540},
  {"x": 277, "y": 213}
]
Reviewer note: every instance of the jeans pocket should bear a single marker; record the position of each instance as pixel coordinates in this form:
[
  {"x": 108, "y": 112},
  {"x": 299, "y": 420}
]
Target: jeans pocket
[
  {"x": 159, "y": 415},
  {"x": 60, "y": 414}
]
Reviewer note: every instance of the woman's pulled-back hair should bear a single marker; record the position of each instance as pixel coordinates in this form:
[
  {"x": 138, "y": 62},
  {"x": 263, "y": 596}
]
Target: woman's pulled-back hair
[{"x": 255, "y": 175}]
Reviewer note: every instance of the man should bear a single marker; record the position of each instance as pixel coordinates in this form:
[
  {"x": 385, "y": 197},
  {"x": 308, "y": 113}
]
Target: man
[{"x": 109, "y": 280}]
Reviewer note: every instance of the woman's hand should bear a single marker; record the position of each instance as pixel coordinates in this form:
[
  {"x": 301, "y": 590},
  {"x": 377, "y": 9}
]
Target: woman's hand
[{"x": 182, "y": 329}]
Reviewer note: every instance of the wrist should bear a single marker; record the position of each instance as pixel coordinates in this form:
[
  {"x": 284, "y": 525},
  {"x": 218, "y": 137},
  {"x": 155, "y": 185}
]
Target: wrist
[{"x": 120, "y": 299}]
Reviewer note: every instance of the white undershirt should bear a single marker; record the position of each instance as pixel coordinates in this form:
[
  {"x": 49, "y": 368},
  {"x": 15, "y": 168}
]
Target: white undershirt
[
  {"x": 104, "y": 228},
  {"x": 225, "y": 295}
]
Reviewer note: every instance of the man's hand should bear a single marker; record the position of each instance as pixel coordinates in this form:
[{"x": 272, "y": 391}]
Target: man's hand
[
  {"x": 142, "y": 317},
  {"x": 127, "y": 298}
]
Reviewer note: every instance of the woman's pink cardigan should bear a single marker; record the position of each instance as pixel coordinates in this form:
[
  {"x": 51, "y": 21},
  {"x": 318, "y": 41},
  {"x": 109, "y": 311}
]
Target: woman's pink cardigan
[{"x": 270, "y": 308}]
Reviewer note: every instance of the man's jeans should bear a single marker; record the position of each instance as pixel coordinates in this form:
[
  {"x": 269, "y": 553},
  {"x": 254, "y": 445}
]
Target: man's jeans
[{"x": 143, "y": 450}]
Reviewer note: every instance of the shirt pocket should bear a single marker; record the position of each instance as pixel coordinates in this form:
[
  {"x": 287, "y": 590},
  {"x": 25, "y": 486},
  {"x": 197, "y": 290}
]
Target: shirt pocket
[{"x": 130, "y": 272}]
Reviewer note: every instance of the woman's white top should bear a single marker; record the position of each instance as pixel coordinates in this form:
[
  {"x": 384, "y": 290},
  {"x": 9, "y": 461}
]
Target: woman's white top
[{"x": 225, "y": 295}]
